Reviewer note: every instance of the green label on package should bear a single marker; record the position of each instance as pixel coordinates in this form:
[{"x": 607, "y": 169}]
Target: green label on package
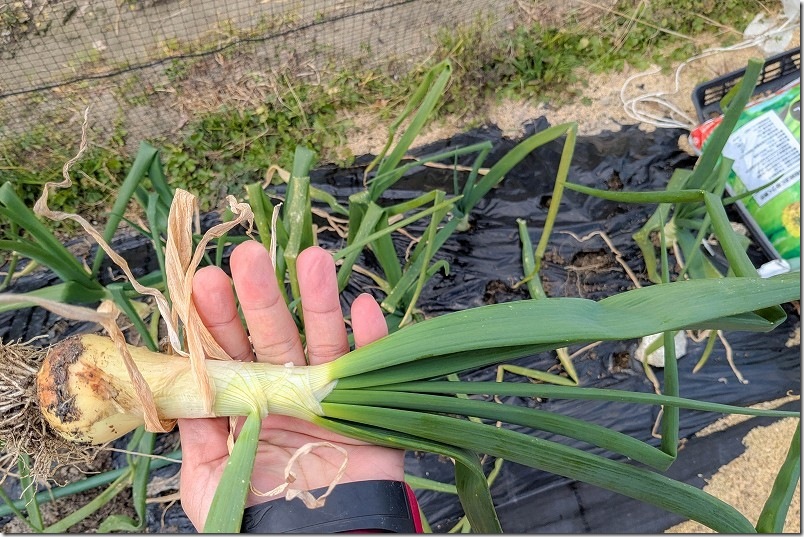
[{"x": 766, "y": 150}]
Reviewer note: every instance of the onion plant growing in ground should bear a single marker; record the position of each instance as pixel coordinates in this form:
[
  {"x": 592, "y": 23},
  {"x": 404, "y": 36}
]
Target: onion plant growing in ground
[{"x": 396, "y": 392}]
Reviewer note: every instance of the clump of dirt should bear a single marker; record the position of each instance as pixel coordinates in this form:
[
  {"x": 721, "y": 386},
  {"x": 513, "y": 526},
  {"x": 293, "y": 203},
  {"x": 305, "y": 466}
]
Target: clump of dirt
[
  {"x": 585, "y": 269},
  {"x": 498, "y": 291},
  {"x": 621, "y": 361},
  {"x": 614, "y": 182},
  {"x": 593, "y": 260}
]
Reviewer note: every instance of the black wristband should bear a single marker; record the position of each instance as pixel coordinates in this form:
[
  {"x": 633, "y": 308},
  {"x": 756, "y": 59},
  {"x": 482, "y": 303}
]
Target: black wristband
[{"x": 360, "y": 505}]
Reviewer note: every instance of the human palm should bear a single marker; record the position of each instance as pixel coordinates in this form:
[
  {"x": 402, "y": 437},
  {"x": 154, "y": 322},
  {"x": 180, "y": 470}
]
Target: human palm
[{"x": 275, "y": 339}]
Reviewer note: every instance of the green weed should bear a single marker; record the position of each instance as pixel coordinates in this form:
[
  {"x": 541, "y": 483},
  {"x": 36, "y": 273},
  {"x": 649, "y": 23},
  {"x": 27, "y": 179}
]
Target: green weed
[
  {"x": 132, "y": 91},
  {"x": 695, "y": 16},
  {"x": 231, "y": 147},
  {"x": 535, "y": 61},
  {"x": 96, "y": 175}
]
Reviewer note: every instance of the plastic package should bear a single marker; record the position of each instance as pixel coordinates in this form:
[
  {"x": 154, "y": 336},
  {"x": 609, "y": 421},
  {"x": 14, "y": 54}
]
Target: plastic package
[{"x": 766, "y": 149}]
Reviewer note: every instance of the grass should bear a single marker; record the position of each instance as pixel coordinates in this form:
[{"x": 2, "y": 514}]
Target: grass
[
  {"x": 39, "y": 157},
  {"x": 533, "y": 61},
  {"x": 233, "y": 147},
  {"x": 223, "y": 149}
]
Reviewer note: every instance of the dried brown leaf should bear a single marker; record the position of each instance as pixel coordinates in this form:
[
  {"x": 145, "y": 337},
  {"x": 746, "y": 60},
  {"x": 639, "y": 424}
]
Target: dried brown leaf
[{"x": 181, "y": 264}]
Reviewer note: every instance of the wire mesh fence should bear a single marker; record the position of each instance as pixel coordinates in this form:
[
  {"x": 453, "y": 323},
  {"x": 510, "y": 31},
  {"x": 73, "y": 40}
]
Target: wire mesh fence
[{"x": 124, "y": 56}]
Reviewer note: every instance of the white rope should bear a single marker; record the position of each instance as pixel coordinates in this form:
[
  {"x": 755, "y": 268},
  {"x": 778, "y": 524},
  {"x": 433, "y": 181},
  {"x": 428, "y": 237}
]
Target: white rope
[
  {"x": 670, "y": 115},
  {"x": 290, "y": 476}
]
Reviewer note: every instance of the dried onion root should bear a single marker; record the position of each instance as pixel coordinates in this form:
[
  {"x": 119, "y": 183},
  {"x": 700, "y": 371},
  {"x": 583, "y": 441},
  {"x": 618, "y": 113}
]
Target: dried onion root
[{"x": 23, "y": 428}]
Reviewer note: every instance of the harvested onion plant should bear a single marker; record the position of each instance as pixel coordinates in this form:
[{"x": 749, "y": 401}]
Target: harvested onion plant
[
  {"x": 400, "y": 391},
  {"x": 394, "y": 402}
]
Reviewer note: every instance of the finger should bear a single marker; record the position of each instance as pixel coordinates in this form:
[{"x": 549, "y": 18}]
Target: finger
[
  {"x": 321, "y": 306},
  {"x": 214, "y": 299},
  {"x": 273, "y": 333},
  {"x": 368, "y": 322}
]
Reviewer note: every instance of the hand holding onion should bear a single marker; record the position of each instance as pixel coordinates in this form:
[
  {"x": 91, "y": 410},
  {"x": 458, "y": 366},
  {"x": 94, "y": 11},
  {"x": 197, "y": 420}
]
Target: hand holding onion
[
  {"x": 86, "y": 395},
  {"x": 274, "y": 339}
]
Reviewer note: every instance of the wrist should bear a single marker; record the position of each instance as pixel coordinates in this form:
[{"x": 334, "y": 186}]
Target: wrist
[{"x": 377, "y": 506}]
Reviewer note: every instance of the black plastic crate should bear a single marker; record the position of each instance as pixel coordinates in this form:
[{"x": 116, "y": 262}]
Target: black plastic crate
[{"x": 777, "y": 71}]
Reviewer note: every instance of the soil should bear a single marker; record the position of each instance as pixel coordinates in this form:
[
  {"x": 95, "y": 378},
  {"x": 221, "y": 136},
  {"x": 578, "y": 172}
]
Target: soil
[
  {"x": 100, "y": 38},
  {"x": 56, "y": 510},
  {"x": 499, "y": 292},
  {"x": 743, "y": 482},
  {"x": 601, "y": 107}
]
